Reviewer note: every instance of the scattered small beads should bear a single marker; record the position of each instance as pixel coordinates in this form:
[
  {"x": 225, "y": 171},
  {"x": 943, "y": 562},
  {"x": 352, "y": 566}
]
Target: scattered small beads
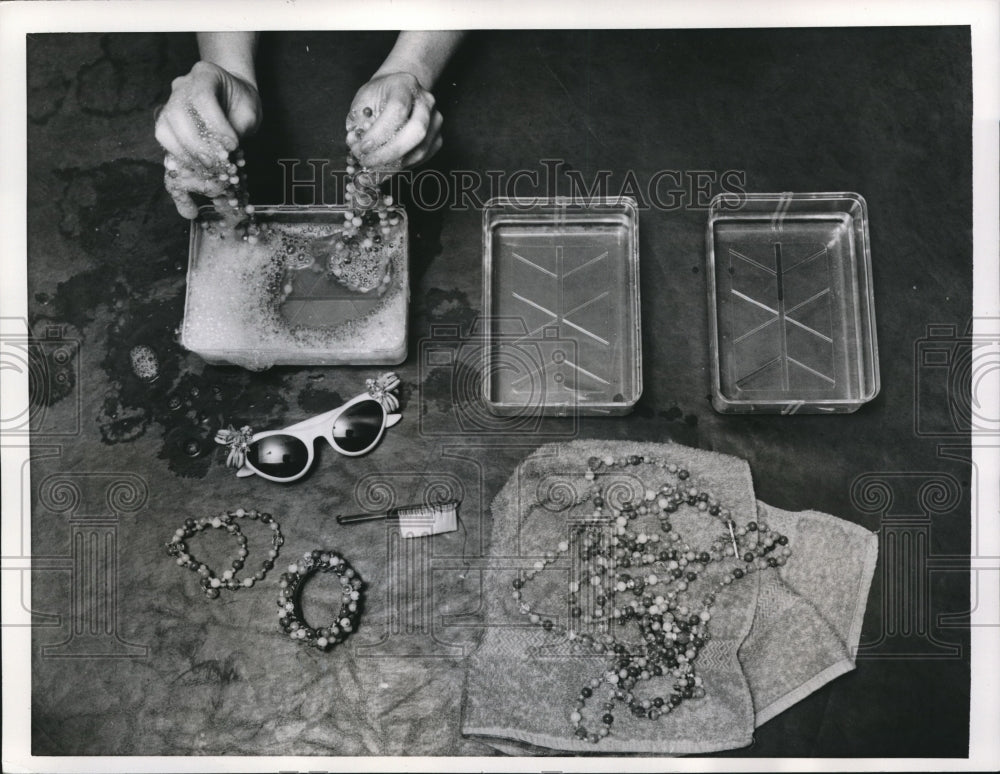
[
  {"x": 653, "y": 593},
  {"x": 229, "y": 521},
  {"x": 290, "y": 602}
]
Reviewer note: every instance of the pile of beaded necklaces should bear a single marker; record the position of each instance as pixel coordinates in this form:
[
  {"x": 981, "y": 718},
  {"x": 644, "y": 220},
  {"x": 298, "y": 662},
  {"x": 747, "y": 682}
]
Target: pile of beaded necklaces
[
  {"x": 630, "y": 576},
  {"x": 290, "y": 602},
  {"x": 228, "y": 520}
]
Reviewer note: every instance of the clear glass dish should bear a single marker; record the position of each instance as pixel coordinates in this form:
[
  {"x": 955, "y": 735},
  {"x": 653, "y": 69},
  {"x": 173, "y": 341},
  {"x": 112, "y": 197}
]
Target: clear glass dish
[
  {"x": 278, "y": 301},
  {"x": 791, "y": 309},
  {"x": 561, "y": 305}
]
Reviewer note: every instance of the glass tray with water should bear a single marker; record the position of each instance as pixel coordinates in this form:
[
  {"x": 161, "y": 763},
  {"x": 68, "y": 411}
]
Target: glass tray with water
[{"x": 281, "y": 299}]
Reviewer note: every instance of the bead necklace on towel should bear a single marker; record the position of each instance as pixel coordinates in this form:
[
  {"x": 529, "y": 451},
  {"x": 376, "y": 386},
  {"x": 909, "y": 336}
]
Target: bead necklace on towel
[{"x": 629, "y": 575}]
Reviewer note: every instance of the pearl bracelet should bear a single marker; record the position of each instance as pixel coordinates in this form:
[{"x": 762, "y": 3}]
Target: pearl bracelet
[{"x": 290, "y": 617}]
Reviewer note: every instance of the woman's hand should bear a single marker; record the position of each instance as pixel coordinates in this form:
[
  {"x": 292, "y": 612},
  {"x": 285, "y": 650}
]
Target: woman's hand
[
  {"x": 209, "y": 111},
  {"x": 393, "y": 123}
]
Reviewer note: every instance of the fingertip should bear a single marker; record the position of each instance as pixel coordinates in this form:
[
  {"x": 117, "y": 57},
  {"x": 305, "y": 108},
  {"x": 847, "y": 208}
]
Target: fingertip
[
  {"x": 435, "y": 147},
  {"x": 422, "y": 152},
  {"x": 166, "y": 138},
  {"x": 186, "y": 207}
]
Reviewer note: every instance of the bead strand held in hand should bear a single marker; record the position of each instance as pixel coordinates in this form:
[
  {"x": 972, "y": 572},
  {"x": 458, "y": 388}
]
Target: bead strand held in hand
[{"x": 370, "y": 216}]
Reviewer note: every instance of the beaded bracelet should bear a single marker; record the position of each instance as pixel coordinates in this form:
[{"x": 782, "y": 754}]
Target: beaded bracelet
[
  {"x": 228, "y": 520},
  {"x": 290, "y": 617},
  {"x": 661, "y": 569}
]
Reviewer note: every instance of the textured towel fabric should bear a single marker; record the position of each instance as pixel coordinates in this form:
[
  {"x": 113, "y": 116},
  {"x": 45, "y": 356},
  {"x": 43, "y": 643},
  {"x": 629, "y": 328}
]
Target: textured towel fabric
[{"x": 775, "y": 636}]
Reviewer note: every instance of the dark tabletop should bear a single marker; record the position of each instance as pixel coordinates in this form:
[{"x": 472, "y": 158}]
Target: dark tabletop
[{"x": 130, "y": 658}]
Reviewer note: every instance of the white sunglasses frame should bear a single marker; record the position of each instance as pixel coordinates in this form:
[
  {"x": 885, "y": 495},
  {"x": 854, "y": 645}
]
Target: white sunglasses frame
[{"x": 319, "y": 426}]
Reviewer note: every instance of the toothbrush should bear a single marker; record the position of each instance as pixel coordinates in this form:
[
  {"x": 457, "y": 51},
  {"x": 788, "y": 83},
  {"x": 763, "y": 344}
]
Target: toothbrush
[{"x": 414, "y": 520}]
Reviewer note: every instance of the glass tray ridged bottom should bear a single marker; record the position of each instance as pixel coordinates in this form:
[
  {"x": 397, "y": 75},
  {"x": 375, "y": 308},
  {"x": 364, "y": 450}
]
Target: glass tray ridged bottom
[
  {"x": 791, "y": 301},
  {"x": 562, "y": 307}
]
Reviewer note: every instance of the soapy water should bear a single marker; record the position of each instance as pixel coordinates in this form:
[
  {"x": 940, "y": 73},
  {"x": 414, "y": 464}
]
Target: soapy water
[
  {"x": 279, "y": 298},
  {"x": 145, "y": 364},
  {"x": 264, "y": 293}
]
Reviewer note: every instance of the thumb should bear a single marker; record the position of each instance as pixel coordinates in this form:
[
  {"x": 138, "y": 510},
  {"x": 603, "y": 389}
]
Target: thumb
[
  {"x": 244, "y": 120},
  {"x": 242, "y": 105}
]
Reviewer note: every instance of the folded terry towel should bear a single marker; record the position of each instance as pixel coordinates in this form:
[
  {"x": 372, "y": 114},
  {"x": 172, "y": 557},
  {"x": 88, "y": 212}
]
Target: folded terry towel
[{"x": 776, "y": 635}]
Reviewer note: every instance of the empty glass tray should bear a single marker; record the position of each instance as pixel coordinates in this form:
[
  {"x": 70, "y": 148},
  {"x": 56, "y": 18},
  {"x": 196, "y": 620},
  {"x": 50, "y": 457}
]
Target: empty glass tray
[
  {"x": 561, "y": 302},
  {"x": 791, "y": 312}
]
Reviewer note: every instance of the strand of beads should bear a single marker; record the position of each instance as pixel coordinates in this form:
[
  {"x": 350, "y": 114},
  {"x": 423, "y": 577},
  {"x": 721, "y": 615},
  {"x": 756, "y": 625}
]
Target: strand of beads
[
  {"x": 228, "y": 520},
  {"x": 369, "y": 217},
  {"x": 358, "y": 260},
  {"x": 290, "y": 602},
  {"x": 359, "y": 255},
  {"x": 224, "y": 180},
  {"x": 672, "y": 630}
]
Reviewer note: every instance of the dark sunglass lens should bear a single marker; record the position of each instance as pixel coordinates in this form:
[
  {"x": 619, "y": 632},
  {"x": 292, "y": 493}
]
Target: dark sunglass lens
[
  {"x": 357, "y": 428},
  {"x": 281, "y": 456}
]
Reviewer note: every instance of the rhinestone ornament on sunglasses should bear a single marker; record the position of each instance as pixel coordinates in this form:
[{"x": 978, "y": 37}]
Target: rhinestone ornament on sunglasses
[{"x": 286, "y": 455}]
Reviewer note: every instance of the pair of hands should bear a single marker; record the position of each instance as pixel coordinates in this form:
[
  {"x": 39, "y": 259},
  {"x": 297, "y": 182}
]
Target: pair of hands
[{"x": 211, "y": 110}]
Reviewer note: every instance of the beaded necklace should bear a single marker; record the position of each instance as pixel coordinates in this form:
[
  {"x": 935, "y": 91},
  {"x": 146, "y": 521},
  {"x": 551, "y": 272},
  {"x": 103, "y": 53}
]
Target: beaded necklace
[
  {"x": 211, "y": 583},
  {"x": 631, "y": 575}
]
